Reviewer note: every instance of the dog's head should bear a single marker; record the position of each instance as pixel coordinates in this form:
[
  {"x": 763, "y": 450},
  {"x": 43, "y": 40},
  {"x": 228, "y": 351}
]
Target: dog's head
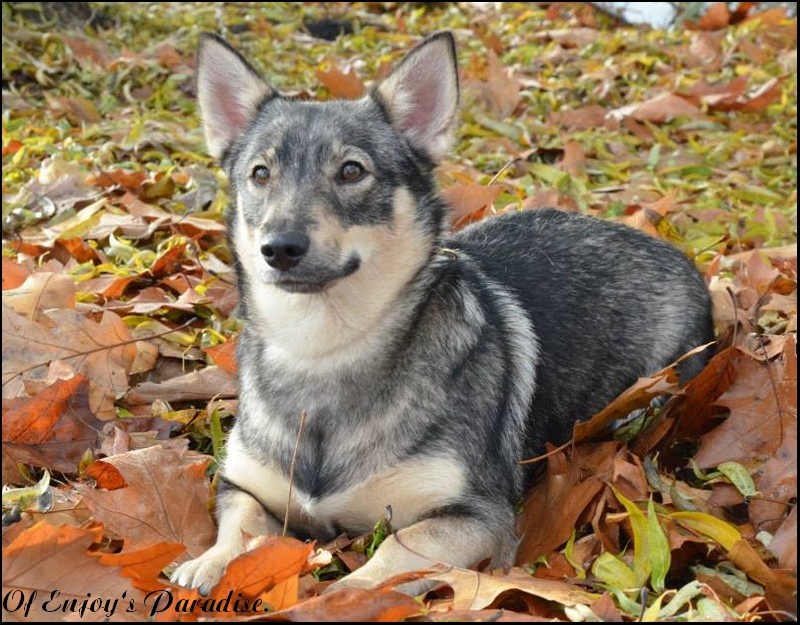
[{"x": 325, "y": 192}]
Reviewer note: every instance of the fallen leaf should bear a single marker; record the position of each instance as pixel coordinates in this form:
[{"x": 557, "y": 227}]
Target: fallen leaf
[
  {"x": 103, "y": 351},
  {"x": 144, "y": 566},
  {"x": 204, "y": 384},
  {"x": 660, "y": 109},
  {"x": 40, "y": 291},
  {"x": 466, "y": 200},
  {"x": 717, "y": 16},
  {"x": 502, "y": 90},
  {"x": 14, "y": 273},
  {"x": 762, "y": 400},
  {"x": 48, "y": 559},
  {"x": 224, "y": 355},
  {"x": 352, "y": 605},
  {"x": 556, "y": 502},
  {"x": 341, "y": 84},
  {"x": 53, "y": 429},
  {"x": 784, "y": 543},
  {"x": 476, "y": 591},
  {"x": 276, "y": 560},
  {"x": 165, "y": 500}
]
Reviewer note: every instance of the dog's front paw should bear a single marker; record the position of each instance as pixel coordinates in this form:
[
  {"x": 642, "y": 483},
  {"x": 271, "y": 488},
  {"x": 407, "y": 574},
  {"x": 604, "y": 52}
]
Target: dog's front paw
[{"x": 202, "y": 573}]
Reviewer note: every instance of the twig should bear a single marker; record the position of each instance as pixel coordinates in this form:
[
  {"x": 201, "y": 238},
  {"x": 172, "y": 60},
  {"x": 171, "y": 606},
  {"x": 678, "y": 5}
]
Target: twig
[{"x": 291, "y": 472}]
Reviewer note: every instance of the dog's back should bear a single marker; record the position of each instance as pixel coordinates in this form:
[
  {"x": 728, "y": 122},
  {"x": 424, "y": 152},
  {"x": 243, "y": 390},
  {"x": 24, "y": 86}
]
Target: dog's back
[{"x": 608, "y": 304}]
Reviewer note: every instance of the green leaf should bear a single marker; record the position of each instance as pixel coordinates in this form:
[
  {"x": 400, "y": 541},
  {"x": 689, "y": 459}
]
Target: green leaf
[
  {"x": 681, "y": 598},
  {"x": 614, "y": 572},
  {"x": 641, "y": 557},
  {"x": 569, "y": 554},
  {"x": 660, "y": 556},
  {"x": 739, "y": 477}
]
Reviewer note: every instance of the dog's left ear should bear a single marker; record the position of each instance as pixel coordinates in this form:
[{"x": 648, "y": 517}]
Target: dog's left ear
[{"x": 421, "y": 95}]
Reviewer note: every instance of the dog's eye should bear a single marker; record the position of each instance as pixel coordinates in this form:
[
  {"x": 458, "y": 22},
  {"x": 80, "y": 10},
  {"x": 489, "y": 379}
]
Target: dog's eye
[
  {"x": 260, "y": 175},
  {"x": 351, "y": 172}
]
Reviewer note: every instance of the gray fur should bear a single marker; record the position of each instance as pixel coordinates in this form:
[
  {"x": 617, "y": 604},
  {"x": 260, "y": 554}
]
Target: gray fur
[{"x": 410, "y": 361}]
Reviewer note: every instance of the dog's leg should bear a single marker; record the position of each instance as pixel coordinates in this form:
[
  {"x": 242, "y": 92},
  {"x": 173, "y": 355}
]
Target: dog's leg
[
  {"x": 238, "y": 512},
  {"x": 456, "y": 541}
]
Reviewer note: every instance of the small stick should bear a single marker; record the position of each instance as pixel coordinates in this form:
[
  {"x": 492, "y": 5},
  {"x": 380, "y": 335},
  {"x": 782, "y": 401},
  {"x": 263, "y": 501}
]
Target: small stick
[{"x": 291, "y": 472}]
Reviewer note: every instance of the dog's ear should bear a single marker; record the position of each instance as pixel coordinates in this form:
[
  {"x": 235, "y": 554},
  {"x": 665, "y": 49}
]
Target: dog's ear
[
  {"x": 421, "y": 95},
  {"x": 229, "y": 92}
]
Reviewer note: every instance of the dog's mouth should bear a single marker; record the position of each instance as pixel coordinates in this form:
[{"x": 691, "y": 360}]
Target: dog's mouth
[{"x": 313, "y": 281}]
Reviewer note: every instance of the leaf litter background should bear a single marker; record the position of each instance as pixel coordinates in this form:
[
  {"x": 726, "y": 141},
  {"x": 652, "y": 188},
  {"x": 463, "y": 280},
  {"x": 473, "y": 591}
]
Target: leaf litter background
[{"x": 118, "y": 334}]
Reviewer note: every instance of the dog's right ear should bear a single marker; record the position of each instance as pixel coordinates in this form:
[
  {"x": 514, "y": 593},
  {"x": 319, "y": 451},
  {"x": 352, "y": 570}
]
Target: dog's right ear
[
  {"x": 229, "y": 92},
  {"x": 421, "y": 95}
]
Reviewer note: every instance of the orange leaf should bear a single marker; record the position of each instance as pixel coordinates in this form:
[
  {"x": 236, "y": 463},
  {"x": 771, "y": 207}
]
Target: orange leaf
[
  {"x": 718, "y": 16},
  {"x": 14, "y": 273},
  {"x": 224, "y": 355},
  {"x": 352, "y": 605},
  {"x": 260, "y": 570},
  {"x": 53, "y": 429},
  {"x": 467, "y": 200},
  {"x": 10, "y": 148},
  {"x": 45, "y": 558},
  {"x": 105, "y": 475},
  {"x": 143, "y": 567},
  {"x": 342, "y": 85}
]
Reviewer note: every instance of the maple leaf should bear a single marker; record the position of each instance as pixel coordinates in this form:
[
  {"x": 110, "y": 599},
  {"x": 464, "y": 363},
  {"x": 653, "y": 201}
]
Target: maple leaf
[
  {"x": 165, "y": 499},
  {"x": 103, "y": 351}
]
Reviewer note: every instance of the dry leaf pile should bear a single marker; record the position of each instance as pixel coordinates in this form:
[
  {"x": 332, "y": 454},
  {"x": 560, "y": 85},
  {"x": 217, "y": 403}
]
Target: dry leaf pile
[{"x": 119, "y": 329}]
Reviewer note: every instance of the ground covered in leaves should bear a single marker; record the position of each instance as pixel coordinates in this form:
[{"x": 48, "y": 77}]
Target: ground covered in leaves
[{"x": 118, "y": 334}]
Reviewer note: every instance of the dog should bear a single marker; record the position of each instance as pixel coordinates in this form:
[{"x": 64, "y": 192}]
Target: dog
[{"x": 420, "y": 366}]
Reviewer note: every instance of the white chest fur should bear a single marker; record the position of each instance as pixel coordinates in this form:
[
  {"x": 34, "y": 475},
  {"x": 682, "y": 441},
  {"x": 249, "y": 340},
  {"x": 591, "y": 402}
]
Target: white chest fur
[{"x": 411, "y": 488}]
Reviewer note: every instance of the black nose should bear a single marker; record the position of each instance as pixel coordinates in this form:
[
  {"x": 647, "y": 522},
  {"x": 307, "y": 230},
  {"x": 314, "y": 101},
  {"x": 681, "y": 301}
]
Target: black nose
[{"x": 284, "y": 250}]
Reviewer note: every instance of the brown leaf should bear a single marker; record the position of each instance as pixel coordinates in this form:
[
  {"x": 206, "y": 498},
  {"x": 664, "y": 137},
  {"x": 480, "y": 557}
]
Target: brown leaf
[
  {"x": 165, "y": 500},
  {"x": 130, "y": 180},
  {"x": 105, "y": 475},
  {"x": 503, "y": 91},
  {"x": 556, "y": 502},
  {"x": 639, "y": 395},
  {"x": 781, "y": 587},
  {"x": 52, "y": 429},
  {"x": 44, "y": 559},
  {"x": 87, "y": 54},
  {"x": 466, "y": 200},
  {"x": 352, "y": 605},
  {"x": 571, "y": 37},
  {"x": 342, "y": 84},
  {"x": 476, "y": 591},
  {"x": 784, "y": 543},
  {"x": 41, "y": 290},
  {"x": 762, "y": 400},
  {"x": 200, "y": 385},
  {"x": 650, "y": 214},
  {"x": 776, "y": 479},
  {"x": 103, "y": 351},
  {"x": 694, "y": 408},
  {"x": 583, "y": 118},
  {"x": 659, "y": 110},
  {"x": 574, "y": 161}
]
